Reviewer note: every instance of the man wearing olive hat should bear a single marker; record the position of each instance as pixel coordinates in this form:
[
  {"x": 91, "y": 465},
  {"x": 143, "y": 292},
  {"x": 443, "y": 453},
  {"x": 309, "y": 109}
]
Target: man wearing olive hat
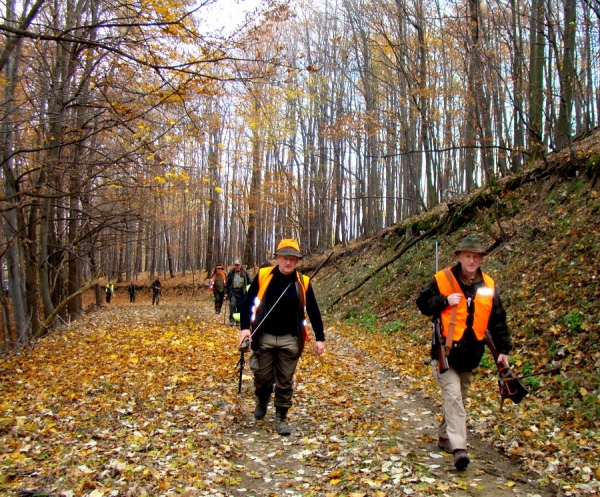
[
  {"x": 273, "y": 317},
  {"x": 236, "y": 284},
  {"x": 468, "y": 304}
]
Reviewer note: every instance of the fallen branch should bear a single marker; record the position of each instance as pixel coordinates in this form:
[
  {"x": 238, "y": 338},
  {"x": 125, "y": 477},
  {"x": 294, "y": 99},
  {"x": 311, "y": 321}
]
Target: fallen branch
[
  {"x": 408, "y": 245},
  {"x": 46, "y": 324}
]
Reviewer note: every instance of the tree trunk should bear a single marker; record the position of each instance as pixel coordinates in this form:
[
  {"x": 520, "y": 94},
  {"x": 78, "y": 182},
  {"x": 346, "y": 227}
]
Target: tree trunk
[
  {"x": 567, "y": 76},
  {"x": 254, "y": 195},
  {"x": 481, "y": 118},
  {"x": 536, "y": 79},
  {"x": 11, "y": 226}
]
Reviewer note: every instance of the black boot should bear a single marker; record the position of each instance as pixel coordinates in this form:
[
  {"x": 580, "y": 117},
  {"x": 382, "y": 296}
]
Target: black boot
[
  {"x": 281, "y": 422},
  {"x": 260, "y": 411}
]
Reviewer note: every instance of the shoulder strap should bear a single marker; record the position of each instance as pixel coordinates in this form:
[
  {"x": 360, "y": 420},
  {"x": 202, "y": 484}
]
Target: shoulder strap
[{"x": 452, "y": 325}]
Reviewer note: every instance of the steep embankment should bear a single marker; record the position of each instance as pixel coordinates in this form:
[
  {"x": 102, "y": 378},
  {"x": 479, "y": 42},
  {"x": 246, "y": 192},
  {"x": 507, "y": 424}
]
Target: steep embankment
[{"x": 542, "y": 228}]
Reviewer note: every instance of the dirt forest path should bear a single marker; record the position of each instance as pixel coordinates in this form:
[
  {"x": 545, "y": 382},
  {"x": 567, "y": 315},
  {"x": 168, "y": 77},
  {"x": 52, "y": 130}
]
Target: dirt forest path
[{"x": 138, "y": 399}]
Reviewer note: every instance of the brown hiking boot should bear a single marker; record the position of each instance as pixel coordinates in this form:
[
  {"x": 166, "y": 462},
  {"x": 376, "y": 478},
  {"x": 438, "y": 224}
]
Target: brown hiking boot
[
  {"x": 461, "y": 460},
  {"x": 281, "y": 422},
  {"x": 444, "y": 444}
]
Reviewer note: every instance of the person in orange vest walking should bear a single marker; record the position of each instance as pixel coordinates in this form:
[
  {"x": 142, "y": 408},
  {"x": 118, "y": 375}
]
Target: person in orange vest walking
[
  {"x": 468, "y": 304},
  {"x": 273, "y": 316},
  {"x": 217, "y": 287}
]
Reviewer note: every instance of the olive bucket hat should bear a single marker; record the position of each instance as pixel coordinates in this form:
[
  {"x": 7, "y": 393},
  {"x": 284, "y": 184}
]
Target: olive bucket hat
[
  {"x": 288, "y": 246},
  {"x": 471, "y": 243}
]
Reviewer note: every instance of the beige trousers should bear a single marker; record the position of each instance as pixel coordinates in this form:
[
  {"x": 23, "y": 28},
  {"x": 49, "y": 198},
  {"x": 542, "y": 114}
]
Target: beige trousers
[{"x": 454, "y": 386}]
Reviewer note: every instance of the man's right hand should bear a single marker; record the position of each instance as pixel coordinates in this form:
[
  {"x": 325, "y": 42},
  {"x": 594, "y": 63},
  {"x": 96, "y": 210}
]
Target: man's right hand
[
  {"x": 225, "y": 297},
  {"x": 454, "y": 299}
]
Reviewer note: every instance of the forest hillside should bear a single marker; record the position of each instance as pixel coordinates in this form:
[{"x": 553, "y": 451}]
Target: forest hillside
[
  {"x": 542, "y": 229},
  {"x": 135, "y": 399}
]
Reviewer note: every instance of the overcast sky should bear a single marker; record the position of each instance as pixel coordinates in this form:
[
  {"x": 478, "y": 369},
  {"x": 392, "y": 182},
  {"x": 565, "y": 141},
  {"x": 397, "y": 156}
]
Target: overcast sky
[{"x": 227, "y": 14}]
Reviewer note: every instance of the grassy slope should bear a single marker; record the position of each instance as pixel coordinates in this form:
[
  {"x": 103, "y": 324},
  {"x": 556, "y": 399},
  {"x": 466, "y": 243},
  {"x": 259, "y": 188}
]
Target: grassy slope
[{"x": 545, "y": 225}]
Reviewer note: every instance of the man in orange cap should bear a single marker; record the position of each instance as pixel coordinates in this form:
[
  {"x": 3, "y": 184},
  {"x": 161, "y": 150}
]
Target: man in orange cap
[
  {"x": 465, "y": 300},
  {"x": 273, "y": 317}
]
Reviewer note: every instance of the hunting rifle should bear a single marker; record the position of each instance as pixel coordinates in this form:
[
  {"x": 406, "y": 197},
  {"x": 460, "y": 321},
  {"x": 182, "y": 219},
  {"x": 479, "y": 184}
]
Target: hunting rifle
[
  {"x": 438, "y": 342},
  {"x": 245, "y": 345}
]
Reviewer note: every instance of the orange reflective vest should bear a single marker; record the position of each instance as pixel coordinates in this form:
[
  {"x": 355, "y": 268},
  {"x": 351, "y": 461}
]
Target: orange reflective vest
[
  {"x": 265, "y": 275},
  {"x": 212, "y": 280},
  {"x": 484, "y": 298}
]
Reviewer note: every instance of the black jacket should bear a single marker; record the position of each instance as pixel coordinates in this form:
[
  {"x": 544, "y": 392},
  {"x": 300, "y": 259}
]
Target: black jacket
[
  {"x": 466, "y": 354},
  {"x": 285, "y": 317}
]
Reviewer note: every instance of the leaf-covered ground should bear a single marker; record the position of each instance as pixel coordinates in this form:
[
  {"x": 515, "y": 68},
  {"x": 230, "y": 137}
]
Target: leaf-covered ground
[
  {"x": 142, "y": 400},
  {"x": 544, "y": 230}
]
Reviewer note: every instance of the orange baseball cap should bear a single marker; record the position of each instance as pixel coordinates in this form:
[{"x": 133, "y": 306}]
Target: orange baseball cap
[{"x": 288, "y": 246}]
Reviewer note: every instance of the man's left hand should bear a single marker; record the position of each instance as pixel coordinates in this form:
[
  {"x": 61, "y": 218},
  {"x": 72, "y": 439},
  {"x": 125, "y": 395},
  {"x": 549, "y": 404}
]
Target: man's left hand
[
  {"x": 319, "y": 347},
  {"x": 503, "y": 360}
]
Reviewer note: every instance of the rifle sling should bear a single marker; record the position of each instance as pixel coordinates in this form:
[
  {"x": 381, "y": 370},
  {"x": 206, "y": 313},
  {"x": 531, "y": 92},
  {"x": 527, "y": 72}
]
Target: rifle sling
[{"x": 452, "y": 325}]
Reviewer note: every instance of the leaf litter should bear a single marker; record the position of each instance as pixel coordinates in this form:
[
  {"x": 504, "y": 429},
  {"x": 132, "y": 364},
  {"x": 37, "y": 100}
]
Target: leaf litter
[{"x": 137, "y": 400}]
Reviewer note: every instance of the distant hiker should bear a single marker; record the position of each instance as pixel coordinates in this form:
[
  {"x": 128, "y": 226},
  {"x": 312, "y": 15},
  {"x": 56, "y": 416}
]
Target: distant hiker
[
  {"x": 109, "y": 289},
  {"x": 217, "y": 287},
  {"x": 236, "y": 286},
  {"x": 132, "y": 290},
  {"x": 275, "y": 309},
  {"x": 465, "y": 300},
  {"x": 156, "y": 291}
]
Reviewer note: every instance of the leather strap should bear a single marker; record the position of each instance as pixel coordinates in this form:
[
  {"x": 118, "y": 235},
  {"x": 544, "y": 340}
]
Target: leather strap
[{"x": 450, "y": 333}]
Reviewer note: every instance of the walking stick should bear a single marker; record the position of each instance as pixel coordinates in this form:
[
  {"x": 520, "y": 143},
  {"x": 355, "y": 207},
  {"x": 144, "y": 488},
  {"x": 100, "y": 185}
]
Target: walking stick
[{"x": 243, "y": 348}]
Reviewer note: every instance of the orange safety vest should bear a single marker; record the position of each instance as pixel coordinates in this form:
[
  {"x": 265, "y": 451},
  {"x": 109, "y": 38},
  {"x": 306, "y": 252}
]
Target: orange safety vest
[
  {"x": 212, "y": 280},
  {"x": 265, "y": 275},
  {"x": 484, "y": 298}
]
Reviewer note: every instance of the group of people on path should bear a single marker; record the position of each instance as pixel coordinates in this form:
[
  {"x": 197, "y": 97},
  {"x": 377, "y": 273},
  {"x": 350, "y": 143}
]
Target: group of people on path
[
  {"x": 132, "y": 290},
  {"x": 232, "y": 287},
  {"x": 273, "y": 319}
]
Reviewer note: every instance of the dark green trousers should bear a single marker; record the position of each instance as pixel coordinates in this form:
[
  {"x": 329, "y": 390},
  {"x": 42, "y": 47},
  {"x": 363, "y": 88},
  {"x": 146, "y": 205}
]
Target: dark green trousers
[{"x": 274, "y": 367}]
